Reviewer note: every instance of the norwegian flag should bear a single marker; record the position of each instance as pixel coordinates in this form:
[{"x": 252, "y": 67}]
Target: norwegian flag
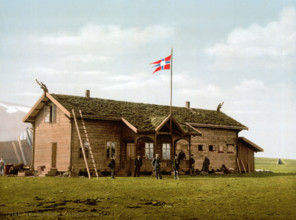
[{"x": 163, "y": 64}]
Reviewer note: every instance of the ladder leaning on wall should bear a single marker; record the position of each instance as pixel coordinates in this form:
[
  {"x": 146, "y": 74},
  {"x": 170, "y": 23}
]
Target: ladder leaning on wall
[{"x": 93, "y": 164}]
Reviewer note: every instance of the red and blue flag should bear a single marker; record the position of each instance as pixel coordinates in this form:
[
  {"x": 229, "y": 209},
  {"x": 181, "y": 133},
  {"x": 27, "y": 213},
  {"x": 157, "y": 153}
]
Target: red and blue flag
[{"x": 163, "y": 64}]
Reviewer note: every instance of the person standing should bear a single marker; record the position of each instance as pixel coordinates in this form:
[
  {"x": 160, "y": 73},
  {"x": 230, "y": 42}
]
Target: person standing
[
  {"x": 182, "y": 155},
  {"x": 205, "y": 165},
  {"x": 191, "y": 165},
  {"x": 112, "y": 166},
  {"x": 138, "y": 164},
  {"x": 2, "y": 165},
  {"x": 156, "y": 164},
  {"x": 176, "y": 167}
]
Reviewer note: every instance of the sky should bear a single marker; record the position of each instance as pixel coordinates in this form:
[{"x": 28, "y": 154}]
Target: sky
[{"x": 239, "y": 52}]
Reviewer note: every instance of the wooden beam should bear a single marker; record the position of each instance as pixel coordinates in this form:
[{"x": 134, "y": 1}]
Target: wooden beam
[
  {"x": 219, "y": 126},
  {"x": 133, "y": 128},
  {"x": 22, "y": 151},
  {"x": 16, "y": 153},
  {"x": 33, "y": 108},
  {"x": 81, "y": 144},
  {"x": 238, "y": 166},
  {"x": 58, "y": 104},
  {"x": 190, "y": 126},
  {"x": 243, "y": 165}
]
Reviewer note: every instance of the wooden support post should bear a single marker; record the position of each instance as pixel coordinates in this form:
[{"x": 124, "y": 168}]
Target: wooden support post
[
  {"x": 16, "y": 153},
  {"x": 238, "y": 165},
  {"x": 243, "y": 166},
  {"x": 22, "y": 151},
  {"x": 81, "y": 144}
]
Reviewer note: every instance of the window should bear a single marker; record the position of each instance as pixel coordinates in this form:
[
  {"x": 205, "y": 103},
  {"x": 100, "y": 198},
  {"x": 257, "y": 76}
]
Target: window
[
  {"x": 230, "y": 148},
  {"x": 86, "y": 150},
  {"x": 50, "y": 113},
  {"x": 212, "y": 147},
  {"x": 221, "y": 150},
  {"x": 166, "y": 151},
  {"x": 201, "y": 147},
  {"x": 110, "y": 149},
  {"x": 149, "y": 150}
]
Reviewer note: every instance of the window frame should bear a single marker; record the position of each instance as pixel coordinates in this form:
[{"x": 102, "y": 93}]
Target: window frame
[
  {"x": 230, "y": 148},
  {"x": 110, "y": 149},
  {"x": 221, "y": 149},
  {"x": 149, "y": 150},
  {"x": 50, "y": 113},
  {"x": 201, "y": 147},
  {"x": 166, "y": 151},
  {"x": 212, "y": 148},
  {"x": 86, "y": 149}
]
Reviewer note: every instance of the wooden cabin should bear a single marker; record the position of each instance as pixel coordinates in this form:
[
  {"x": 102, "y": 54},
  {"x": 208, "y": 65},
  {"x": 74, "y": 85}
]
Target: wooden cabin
[{"x": 127, "y": 129}]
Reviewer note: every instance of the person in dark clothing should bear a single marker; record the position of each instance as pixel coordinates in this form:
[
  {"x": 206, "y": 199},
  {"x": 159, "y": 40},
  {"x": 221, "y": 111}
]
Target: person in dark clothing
[
  {"x": 182, "y": 155},
  {"x": 138, "y": 164},
  {"x": 191, "y": 165},
  {"x": 205, "y": 165},
  {"x": 176, "y": 167},
  {"x": 156, "y": 164},
  {"x": 112, "y": 166}
]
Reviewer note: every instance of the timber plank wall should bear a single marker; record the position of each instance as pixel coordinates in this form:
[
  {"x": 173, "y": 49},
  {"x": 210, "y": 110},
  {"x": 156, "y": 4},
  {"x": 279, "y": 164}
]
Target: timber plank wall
[{"x": 48, "y": 133}]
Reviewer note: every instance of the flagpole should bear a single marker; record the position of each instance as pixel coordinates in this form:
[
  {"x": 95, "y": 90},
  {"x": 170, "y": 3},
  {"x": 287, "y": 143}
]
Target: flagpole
[{"x": 171, "y": 89}]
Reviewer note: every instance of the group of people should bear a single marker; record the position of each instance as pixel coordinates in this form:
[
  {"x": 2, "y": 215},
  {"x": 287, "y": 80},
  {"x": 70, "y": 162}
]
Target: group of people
[{"x": 156, "y": 163}]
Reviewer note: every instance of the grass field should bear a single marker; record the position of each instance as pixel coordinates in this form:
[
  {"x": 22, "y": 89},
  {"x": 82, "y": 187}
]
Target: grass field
[{"x": 245, "y": 196}]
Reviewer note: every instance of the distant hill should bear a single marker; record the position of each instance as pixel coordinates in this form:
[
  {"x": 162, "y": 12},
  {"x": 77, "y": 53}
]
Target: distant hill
[
  {"x": 289, "y": 165},
  {"x": 11, "y": 116}
]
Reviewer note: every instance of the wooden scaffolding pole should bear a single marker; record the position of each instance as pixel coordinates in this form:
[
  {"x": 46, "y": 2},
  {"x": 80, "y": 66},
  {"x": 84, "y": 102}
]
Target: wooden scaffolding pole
[
  {"x": 81, "y": 144},
  {"x": 87, "y": 139}
]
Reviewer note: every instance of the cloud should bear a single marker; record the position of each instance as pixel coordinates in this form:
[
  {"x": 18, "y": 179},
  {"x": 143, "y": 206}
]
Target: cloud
[
  {"x": 88, "y": 58},
  {"x": 107, "y": 35},
  {"x": 276, "y": 39}
]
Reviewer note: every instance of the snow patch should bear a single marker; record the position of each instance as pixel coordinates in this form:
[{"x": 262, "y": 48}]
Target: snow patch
[{"x": 14, "y": 108}]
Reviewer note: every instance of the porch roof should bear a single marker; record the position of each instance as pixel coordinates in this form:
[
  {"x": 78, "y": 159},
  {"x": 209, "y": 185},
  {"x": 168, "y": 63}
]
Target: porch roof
[
  {"x": 250, "y": 144},
  {"x": 145, "y": 116}
]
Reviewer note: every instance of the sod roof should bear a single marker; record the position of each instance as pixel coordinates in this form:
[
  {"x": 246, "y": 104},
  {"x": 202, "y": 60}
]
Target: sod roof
[{"x": 145, "y": 116}]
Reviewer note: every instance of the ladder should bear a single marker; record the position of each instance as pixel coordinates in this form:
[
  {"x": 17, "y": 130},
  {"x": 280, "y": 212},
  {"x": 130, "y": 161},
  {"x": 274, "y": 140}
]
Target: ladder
[{"x": 82, "y": 147}]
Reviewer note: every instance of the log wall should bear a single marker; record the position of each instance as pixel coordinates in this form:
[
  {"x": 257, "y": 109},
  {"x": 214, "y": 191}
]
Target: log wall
[
  {"x": 99, "y": 133},
  {"x": 220, "y": 138}
]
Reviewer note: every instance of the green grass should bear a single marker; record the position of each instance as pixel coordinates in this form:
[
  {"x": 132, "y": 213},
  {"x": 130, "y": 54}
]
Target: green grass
[
  {"x": 245, "y": 196},
  {"x": 289, "y": 166}
]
